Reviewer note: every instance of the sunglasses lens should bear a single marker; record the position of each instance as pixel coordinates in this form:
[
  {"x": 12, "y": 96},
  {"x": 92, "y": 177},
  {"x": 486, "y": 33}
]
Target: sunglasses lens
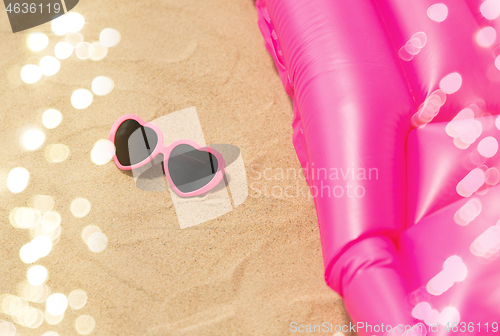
[
  {"x": 134, "y": 143},
  {"x": 191, "y": 169}
]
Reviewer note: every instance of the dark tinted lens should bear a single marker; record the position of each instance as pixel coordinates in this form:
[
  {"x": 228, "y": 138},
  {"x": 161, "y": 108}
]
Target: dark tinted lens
[
  {"x": 191, "y": 169},
  {"x": 134, "y": 143}
]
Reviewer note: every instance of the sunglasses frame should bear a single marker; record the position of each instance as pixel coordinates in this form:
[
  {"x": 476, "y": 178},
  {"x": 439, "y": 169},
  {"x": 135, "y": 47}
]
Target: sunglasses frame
[{"x": 166, "y": 150}]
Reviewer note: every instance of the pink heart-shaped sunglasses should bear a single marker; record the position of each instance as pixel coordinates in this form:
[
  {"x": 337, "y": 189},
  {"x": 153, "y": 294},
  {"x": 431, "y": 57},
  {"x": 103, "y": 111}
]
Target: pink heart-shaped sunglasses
[{"x": 190, "y": 169}]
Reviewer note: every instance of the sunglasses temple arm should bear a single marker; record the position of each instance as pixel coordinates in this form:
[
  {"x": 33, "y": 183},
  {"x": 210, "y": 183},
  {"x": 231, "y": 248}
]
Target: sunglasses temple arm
[
  {"x": 145, "y": 139},
  {"x": 211, "y": 163}
]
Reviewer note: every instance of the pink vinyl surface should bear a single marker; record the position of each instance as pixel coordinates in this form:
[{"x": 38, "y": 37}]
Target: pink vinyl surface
[{"x": 396, "y": 105}]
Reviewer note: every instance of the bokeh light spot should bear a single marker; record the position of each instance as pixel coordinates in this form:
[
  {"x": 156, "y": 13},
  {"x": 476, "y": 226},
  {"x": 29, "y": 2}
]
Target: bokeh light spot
[
  {"x": 102, "y": 152},
  {"x": 77, "y": 299},
  {"x": 100, "y": 51},
  {"x": 451, "y": 83},
  {"x": 88, "y": 231},
  {"x": 421, "y": 36},
  {"x": 471, "y": 183},
  {"x": 437, "y": 12},
  {"x": 80, "y": 207},
  {"x": 486, "y": 37},
  {"x": 59, "y": 26},
  {"x": 56, "y": 304},
  {"x": 52, "y": 234},
  {"x": 74, "y": 39},
  {"x": 75, "y": 20},
  {"x": 6, "y": 300},
  {"x": 37, "y": 275},
  {"x": 97, "y": 242},
  {"x": 24, "y": 218},
  {"x": 51, "y": 220},
  {"x": 488, "y": 147},
  {"x": 43, "y": 203},
  {"x": 51, "y": 118},
  {"x": 7, "y": 328},
  {"x": 109, "y": 37},
  {"x": 28, "y": 254},
  {"x": 492, "y": 176},
  {"x": 468, "y": 212},
  {"x": 31, "y": 73},
  {"x": 439, "y": 284},
  {"x": 421, "y": 310},
  {"x": 455, "y": 268},
  {"x": 63, "y": 50},
  {"x": 37, "y": 41},
  {"x": 53, "y": 319},
  {"x": 50, "y": 333},
  {"x": 42, "y": 246},
  {"x": 497, "y": 122},
  {"x": 17, "y": 180},
  {"x": 102, "y": 85},
  {"x": 411, "y": 47},
  {"x": 417, "y": 43},
  {"x": 497, "y": 62},
  {"x": 71, "y": 22},
  {"x": 473, "y": 130},
  {"x": 56, "y": 153},
  {"x": 490, "y": 9},
  {"x": 30, "y": 318},
  {"x": 81, "y": 99},
  {"x": 33, "y": 139},
  {"x": 487, "y": 244},
  {"x": 459, "y": 122},
  {"x": 404, "y": 55},
  {"x": 432, "y": 317},
  {"x": 84, "y": 324},
  {"x": 464, "y": 128},
  {"x": 14, "y": 305},
  {"x": 429, "y": 108},
  {"x": 37, "y": 294},
  {"x": 49, "y": 65},
  {"x": 84, "y": 50}
]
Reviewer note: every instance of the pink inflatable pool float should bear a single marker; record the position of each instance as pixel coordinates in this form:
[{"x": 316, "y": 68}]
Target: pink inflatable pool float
[{"x": 396, "y": 123}]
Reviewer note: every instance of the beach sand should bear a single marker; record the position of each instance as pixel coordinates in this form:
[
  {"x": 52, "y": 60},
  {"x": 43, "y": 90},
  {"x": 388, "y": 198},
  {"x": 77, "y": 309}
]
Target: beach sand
[{"x": 252, "y": 271}]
